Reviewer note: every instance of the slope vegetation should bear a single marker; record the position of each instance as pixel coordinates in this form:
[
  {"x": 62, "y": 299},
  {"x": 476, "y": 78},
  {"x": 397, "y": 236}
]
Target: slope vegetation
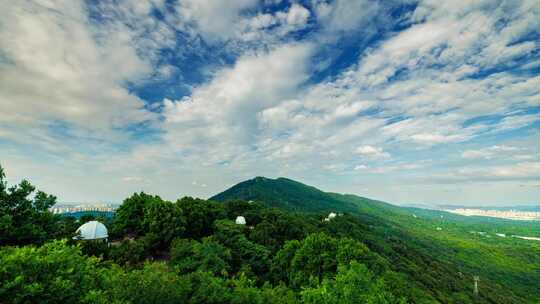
[{"x": 439, "y": 251}]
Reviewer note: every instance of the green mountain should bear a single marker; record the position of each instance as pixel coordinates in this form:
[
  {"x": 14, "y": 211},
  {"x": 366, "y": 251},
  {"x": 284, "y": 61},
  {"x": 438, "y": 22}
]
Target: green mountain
[
  {"x": 428, "y": 245},
  {"x": 284, "y": 193}
]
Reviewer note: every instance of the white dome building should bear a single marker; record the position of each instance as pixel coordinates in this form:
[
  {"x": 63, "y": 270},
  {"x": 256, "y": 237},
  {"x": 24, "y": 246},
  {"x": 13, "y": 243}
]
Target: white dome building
[
  {"x": 330, "y": 216},
  {"x": 240, "y": 220},
  {"x": 92, "y": 230}
]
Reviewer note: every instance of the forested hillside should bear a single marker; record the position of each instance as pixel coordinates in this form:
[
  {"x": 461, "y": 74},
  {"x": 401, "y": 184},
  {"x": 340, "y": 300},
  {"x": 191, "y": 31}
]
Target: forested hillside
[
  {"x": 464, "y": 244},
  {"x": 192, "y": 251}
]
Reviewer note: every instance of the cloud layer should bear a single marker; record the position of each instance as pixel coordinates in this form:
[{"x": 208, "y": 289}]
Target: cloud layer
[{"x": 408, "y": 101}]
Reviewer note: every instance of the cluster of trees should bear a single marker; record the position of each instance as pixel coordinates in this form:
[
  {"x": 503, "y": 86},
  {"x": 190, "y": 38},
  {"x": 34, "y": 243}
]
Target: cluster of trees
[
  {"x": 25, "y": 217},
  {"x": 192, "y": 251},
  {"x": 188, "y": 251}
]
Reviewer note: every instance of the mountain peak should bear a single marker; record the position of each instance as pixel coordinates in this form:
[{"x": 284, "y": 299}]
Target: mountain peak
[{"x": 284, "y": 193}]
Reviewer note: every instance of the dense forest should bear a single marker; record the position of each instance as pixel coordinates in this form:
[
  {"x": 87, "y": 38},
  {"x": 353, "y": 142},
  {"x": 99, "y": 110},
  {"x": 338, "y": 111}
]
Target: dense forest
[{"x": 289, "y": 251}]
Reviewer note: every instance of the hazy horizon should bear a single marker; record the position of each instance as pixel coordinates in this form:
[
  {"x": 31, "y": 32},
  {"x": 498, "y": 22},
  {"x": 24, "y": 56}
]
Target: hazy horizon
[{"x": 428, "y": 205}]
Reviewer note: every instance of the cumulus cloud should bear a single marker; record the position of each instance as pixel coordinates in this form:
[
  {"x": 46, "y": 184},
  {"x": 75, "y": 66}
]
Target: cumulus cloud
[
  {"x": 215, "y": 20},
  {"x": 345, "y": 15},
  {"x": 60, "y": 70},
  {"x": 221, "y": 116},
  {"x": 297, "y": 15}
]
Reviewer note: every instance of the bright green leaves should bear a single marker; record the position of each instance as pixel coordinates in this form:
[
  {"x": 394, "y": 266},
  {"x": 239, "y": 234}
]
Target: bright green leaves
[
  {"x": 317, "y": 257},
  {"x": 353, "y": 283},
  {"x": 52, "y": 273},
  {"x": 23, "y": 219},
  {"x": 208, "y": 256}
]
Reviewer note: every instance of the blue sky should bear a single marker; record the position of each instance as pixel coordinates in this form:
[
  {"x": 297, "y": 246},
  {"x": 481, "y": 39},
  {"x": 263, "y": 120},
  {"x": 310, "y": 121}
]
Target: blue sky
[{"x": 434, "y": 102}]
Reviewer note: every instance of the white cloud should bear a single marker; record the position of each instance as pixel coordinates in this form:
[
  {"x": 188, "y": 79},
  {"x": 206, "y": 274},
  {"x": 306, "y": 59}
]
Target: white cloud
[
  {"x": 372, "y": 152},
  {"x": 198, "y": 184},
  {"x": 297, "y": 16},
  {"x": 214, "y": 19},
  {"x": 271, "y": 29},
  {"x": 496, "y": 151},
  {"x": 433, "y": 138},
  {"x": 516, "y": 121},
  {"x": 133, "y": 179},
  {"x": 521, "y": 170},
  {"x": 475, "y": 154},
  {"x": 221, "y": 116},
  {"x": 360, "y": 167},
  {"x": 59, "y": 68},
  {"x": 345, "y": 15}
]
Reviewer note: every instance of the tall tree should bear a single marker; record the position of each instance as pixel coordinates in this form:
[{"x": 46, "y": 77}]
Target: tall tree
[
  {"x": 130, "y": 215},
  {"x": 163, "y": 221},
  {"x": 23, "y": 219},
  {"x": 200, "y": 216}
]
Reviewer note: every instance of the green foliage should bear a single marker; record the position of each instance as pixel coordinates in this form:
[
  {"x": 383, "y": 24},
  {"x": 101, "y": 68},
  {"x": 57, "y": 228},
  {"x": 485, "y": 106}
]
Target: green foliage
[
  {"x": 282, "y": 193},
  {"x": 130, "y": 252},
  {"x": 130, "y": 216},
  {"x": 25, "y": 220},
  {"x": 87, "y": 218},
  {"x": 317, "y": 257},
  {"x": 438, "y": 266},
  {"x": 352, "y": 284},
  {"x": 191, "y": 251},
  {"x": 247, "y": 256},
  {"x": 199, "y": 216},
  {"x": 52, "y": 273},
  {"x": 207, "y": 256},
  {"x": 97, "y": 248},
  {"x": 206, "y": 288},
  {"x": 163, "y": 221},
  {"x": 275, "y": 227},
  {"x": 154, "y": 283},
  {"x": 143, "y": 215}
]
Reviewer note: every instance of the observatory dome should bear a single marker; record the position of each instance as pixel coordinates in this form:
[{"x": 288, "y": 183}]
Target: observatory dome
[
  {"x": 240, "y": 220},
  {"x": 92, "y": 230}
]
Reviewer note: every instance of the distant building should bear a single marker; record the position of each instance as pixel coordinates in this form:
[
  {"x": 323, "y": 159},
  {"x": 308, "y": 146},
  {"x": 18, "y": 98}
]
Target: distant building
[
  {"x": 71, "y": 209},
  {"x": 92, "y": 230},
  {"x": 240, "y": 220},
  {"x": 330, "y": 216},
  {"x": 508, "y": 214}
]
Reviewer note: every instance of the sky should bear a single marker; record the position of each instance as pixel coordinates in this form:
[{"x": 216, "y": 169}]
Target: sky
[{"x": 424, "y": 102}]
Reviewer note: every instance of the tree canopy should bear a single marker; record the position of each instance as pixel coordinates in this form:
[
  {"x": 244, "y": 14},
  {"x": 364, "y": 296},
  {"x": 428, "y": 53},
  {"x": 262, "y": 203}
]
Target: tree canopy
[{"x": 192, "y": 251}]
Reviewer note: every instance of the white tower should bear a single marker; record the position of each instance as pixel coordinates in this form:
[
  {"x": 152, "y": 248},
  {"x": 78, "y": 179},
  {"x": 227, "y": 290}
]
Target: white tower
[{"x": 476, "y": 279}]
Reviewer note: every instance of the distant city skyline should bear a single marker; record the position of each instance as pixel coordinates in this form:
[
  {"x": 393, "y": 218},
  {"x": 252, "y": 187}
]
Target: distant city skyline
[
  {"x": 507, "y": 214},
  {"x": 433, "y": 102}
]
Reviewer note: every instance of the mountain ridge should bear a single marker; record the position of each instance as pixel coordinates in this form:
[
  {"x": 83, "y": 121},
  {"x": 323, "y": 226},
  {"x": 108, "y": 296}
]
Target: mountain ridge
[{"x": 286, "y": 193}]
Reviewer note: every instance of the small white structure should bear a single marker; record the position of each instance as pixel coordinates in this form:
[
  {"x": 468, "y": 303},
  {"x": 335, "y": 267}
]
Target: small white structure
[
  {"x": 439, "y": 228},
  {"x": 92, "y": 230},
  {"x": 240, "y": 220},
  {"x": 330, "y": 216}
]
